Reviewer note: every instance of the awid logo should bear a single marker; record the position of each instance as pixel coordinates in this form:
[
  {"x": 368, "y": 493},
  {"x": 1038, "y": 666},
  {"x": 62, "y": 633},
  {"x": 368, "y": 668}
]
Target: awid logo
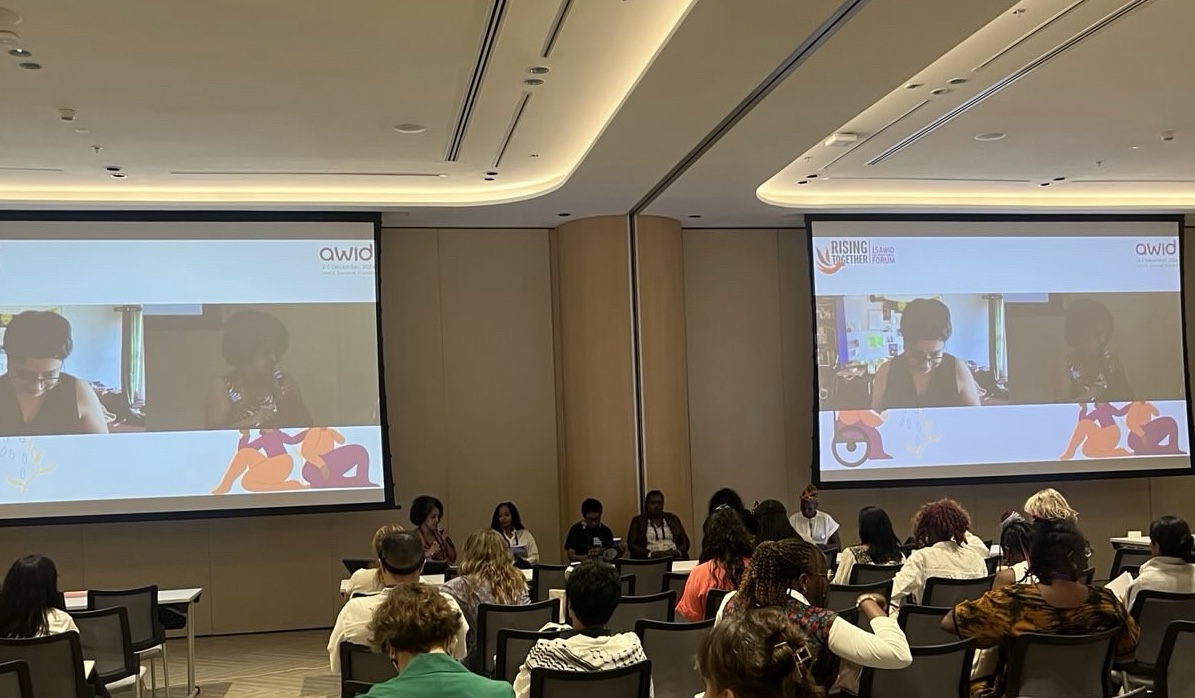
[
  {"x": 338, "y": 253},
  {"x": 1160, "y": 253}
]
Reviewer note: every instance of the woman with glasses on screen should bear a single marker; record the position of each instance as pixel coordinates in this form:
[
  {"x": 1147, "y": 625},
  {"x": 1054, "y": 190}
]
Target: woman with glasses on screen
[
  {"x": 36, "y": 396},
  {"x": 924, "y": 375}
]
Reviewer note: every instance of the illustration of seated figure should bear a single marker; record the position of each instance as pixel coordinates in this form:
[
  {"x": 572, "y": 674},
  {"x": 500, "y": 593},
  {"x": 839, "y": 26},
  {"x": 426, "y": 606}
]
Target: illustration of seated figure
[
  {"x": 262, "y": 464},
  {"x": 1149, "y": 432},
  {"x": 327, "y": 465}
]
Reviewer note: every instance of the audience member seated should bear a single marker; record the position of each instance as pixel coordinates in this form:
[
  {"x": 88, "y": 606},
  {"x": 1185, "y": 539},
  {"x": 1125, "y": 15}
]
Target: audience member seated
[
  {"x": 1016, "y": 535},
  {"x": 1059, "y": 604},
  {"x": 1170, "y": 568},
  {"x": 771, "y": 522},
  {"x": 593, "y": 591},
  {"x": 506, "y": 520},
  {"x": 878, "y": 544},
  {"x": 940, "y": 534},
  {"x": 657, "y": 533},
  {"x": 589, "y": 537},
  {"x": 759, "y": 654},
  {"x": 368, "y": 580},
  {"x": 727, "y": 497},
  {"x": 791, "y": 575},
  {"x": 487, "y": 575},
  {"x": 417, "y": 627},
  {"x": 401, "y": 561},
  {"x": 1050, "y": 504},
  {"x": 815, "y": 526},
  {"x": 724, "y": 559},
  {"x": 426, "y": 514}
]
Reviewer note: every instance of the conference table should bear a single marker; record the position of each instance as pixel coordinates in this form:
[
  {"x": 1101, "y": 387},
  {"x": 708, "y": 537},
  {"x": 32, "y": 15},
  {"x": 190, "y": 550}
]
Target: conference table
[
  {"x": 435, "y": 579},
  {"x": 184, "y": 598},
  {"x": 1130, "y": 542}
]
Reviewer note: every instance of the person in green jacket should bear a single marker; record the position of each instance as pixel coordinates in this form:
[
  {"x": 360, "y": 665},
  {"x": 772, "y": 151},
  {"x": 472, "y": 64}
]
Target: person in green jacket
[{"x": 417, "y": 627}]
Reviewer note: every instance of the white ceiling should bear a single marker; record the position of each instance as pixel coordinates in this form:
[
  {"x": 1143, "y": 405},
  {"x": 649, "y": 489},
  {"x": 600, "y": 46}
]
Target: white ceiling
[{"x": 275, "y": 104}]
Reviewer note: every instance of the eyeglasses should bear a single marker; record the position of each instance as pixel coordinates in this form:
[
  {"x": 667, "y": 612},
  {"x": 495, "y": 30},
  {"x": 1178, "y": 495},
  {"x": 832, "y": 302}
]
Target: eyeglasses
[
  {"x": 933, "y": 358},
  {"x": 31, "y": 379}
]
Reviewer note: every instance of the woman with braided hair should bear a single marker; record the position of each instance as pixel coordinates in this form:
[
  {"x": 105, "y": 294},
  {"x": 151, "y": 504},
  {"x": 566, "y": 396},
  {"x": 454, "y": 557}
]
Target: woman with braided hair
[
  {"x": 940, "y": 534},
  {"x": 759, "y": 654},
  {"x": 790, "y": 575}
]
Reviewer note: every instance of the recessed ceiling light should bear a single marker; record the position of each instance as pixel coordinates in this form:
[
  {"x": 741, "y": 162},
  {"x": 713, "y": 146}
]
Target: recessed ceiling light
[
  {"x": 1060, "y": 179},
  {"x": 82, "y": 130},
  {"x": 491, "y": 173},
  {"x": 956, "y": 81},
  {"x": 913, "y": 85},
  {"x": 112, "y": 168},
  {"x": 694, "y": 215},
  {"x": 535, "y": 155},
  {"x": 1044, "y": 184},
  {"x": 118, "y": 175},
  {"x": 1134, "y": 147},
  {"x": 20, "y": 53},
  {"x": 488, "y": 179},
  {"x": 564, "y": 215},
  {"x": 30, "y": 65},
  {"x": 991, "y": 136},
  {"x": 539, "y": 70},
  {"x": 939, "y": 91},
  {"x": 534, "y": 82},
  {"x": 442, "y": 174},
  {"x": 803, "y": 181},
  {"x": 812, "y": 176},
  {"x": 410, "y": 128}
]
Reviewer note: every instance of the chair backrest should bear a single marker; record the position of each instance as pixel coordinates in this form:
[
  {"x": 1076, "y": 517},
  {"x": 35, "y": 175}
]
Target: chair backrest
[
  {"x": 361, "y": 668},
  {"x": 145, "y": 625},
  {"x": 661, "y": 606},
  {"x": 1061, "y": 666},
  {"x": 940, "y": 671},
  {"x": 648, "y": 574},
  {"x": 831, "y": 554},
  {"x": 993, "y": 563},
  {"x": 1175, "y": 674},
  {"x": 1088, "y": 576},
  {"x": 15, "y": 681},
  {"x": 870, "y": 574},
  {"x": 513, "y": 646},
  {"x": 842, "y": 597},
  {"x": 675, "y": 581},
  {"x": 1154, "y": 611},
  {"x": 923, "y": 625},
  {"x": 55, "y": 664},
  {"x": 352, "y": 564},
  {"x": 1128, "y": 557},
  {"x": 672, "y": 649},
  {"x": 494, "y": 617},
  {"x": 107, "y": 640},
  {"x": 628, "y": 584},
  {"x": 713, "y": 601},
  {"x": 940, "y": 591},
  {"x": 628, "y": 682},
  {"x": 545, "y": 578},
  {"x": 451, "y": 573}
]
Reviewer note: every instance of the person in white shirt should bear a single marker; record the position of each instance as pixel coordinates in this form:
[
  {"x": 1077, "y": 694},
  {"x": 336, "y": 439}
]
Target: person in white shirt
[
  {"x": 369, "y": 580},
  {"x": 401, "y": 561},
  {"x": 815, "y": 526},
  {"x": 878, "y": 545},
  {"x": 940, "y": 530},
  {"x": 791, "y": 575},
  {"x": 759, "y": 653},
  {"x": 506, "y": 520},
  {"x": 593, "y": 591},
  {"x": 1172, "y": 567},
  {"x": 30, "y": 603}
]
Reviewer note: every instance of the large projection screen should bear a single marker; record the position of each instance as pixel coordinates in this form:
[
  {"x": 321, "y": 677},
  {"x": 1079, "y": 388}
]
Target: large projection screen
[
  {"x": 993, "y": 349},
  {"x": 183, "y": 365}
]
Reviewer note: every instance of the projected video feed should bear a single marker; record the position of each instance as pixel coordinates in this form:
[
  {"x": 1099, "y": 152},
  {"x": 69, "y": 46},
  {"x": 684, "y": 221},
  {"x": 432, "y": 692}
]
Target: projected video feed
[
  {"x": 960, "y": 350},
  {"x": 185, "y": 366}
]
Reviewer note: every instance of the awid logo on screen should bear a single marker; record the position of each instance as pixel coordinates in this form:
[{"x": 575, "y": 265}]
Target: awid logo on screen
[
  {"x": 832, "y": 257},
  {"x": 346, "y": 259},
  {"x": 1157, "y": 254}
]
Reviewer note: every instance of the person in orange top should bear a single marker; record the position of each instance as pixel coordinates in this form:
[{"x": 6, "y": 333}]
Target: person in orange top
[{"x": 726, "y": 548}]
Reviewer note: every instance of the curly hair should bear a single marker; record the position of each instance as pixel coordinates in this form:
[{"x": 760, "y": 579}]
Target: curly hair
[
  {"x": 1059, "y": 551},
  {"x": 760, "y": 654},
  {"x": 423, "y": 506},
  {"x": 38, "y": 334},
  {"x": 378, "y": 538},
  {"x": 248, "y": 332},
  {"x": 773, "y": 569},
  {"x": 941, "y": 521},
  {"x": 1050, "y": 504},
  {"x": 415, "y": 618},
  {"x": 1016, "y": 537},
  {"x": 727, "y": 542},
  {"x": 486, "y": 558}
]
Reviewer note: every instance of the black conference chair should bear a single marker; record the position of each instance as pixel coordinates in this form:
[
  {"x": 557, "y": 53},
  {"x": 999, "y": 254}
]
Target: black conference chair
[
  {"x": 106, "y": 639},
  {"x": 672, "y": 648},
  {"x": 1127, "y": 557},
  {"x": 1175, "y": 674},
  {"x": 648, "y": 574},
  {"x": 352, "y": 564},
  {"x": 713, "y": 601},
  {"x": 145, "y": 624},
  {"x": 993, "y": 563},
  {"x": 676, "y": 581},
  {"x": 628, "y": 682},
  {"x": 545, "y": 578},
  {"x": 361, "y": 668},
  {"x": 55, "y": 664},
  {"x": 15, "y": 681},
  {"x": 513, "y": 646},
  {"x": 841, "y": 598},
  {"x": 494, "y": 617},
  {"x": 628, "y": 584},
  {"x": 661, "y": 606},
  {"x": 1154, "y": 611},
  {"x": 940, "y": 671},
  {"x": 923, "y": 625},
  {"x": 1061, "y": 666},
  {"x": 1088, "y": 576},
  {"x": 870, "y": 574},
  {"x": 940, "y": 591}
]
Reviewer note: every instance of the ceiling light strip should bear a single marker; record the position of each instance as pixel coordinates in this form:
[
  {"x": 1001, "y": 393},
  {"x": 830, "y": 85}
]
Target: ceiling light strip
[
  {"x": 288, "y": 173},
  {"x": 931, "y": 179},
  {"x": 1131, "y": 181},
  {"x": 1027, "y": 35},
  {"x": 881, "y": 130},
  {"x": 557, "y": 26},
  {"x": 510, "y": 129},
  {"x": 31, "y": 169},
  {"x": 485, "y": 51},
  {"x": 1008, "y": 80}
]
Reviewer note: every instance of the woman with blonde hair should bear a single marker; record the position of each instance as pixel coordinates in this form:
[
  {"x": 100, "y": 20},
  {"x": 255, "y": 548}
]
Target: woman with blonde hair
[
  {"x": 1050, "y": 504},
  {"x": 369, "y": 580},
  {"x": 487, "y": 575}
]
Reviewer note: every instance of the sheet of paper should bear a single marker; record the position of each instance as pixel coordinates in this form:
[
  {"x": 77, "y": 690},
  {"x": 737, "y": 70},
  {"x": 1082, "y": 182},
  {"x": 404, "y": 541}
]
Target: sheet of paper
[{"x": 1120, "y": 585}]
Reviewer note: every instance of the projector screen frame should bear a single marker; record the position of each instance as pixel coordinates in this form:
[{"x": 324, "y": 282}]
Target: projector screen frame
[
  {"x": 188, "y": 216},
  {"x": 816, "y": 466}
]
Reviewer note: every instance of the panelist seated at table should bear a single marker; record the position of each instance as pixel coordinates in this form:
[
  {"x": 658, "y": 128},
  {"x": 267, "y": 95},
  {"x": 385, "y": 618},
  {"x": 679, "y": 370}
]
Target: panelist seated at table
[
  {"x": 401, "y": 562},
  {"x": 589, "y": 537},
  {"x": 657, "y": 533},
  {"x": 507, "y": 521}
]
